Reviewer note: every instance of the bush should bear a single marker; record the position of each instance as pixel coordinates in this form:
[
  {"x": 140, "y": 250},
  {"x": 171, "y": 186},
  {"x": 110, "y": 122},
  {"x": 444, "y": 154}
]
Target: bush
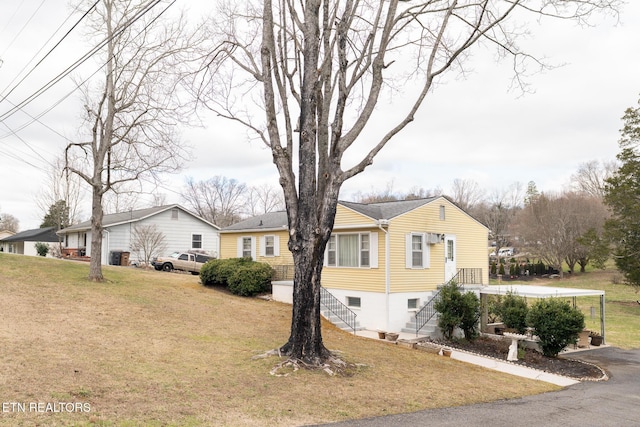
[
  {"x": 251, "y": 279},
  {"x": 557, "y": 324},
  {"x": 457, "y": 310},
  {"x": 242, "y": 276},
  {"x": 470, "y": 313},
  {"x": 218, "y": 271},
  {"x": 513, "y": 310},
  {"x": 42, "y": 248}
]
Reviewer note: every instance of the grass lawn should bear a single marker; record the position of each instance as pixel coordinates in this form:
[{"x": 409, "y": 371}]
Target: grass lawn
[
  {"x": 622, "y": 311},
  {"x": 155, "y": 348}
]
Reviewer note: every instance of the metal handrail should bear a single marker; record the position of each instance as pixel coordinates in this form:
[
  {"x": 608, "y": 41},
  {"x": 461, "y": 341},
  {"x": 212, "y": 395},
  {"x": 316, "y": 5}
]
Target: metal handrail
[
  {"x": 464, "y": 275},
  {"x": 335, "y": 306}
]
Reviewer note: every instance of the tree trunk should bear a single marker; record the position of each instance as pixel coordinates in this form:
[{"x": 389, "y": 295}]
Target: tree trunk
[
  {"x": 305, "y": 342},
  {"x": 95, "y": 265}
]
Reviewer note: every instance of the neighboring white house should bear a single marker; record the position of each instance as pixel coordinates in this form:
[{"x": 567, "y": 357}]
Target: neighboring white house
[
  {"x": 24, "y": 243},
  {"x": 183, "y": 231}
]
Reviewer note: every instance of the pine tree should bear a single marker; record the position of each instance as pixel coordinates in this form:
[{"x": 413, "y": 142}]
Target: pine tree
[{"x": 622, "y": 193}]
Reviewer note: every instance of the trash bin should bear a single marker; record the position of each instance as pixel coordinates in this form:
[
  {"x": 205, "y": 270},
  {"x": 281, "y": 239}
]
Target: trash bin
[
  {"x": 124, "y": 259},
  {"x": 114, "y": 257}
]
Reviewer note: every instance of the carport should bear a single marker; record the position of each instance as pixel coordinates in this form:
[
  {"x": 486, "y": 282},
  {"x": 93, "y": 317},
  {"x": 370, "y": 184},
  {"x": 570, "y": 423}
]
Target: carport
[{"x": 530, "y": 291}]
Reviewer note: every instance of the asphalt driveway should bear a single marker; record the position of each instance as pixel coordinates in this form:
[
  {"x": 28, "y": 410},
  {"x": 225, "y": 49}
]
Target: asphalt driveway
[{"x": 615, "y": 402}]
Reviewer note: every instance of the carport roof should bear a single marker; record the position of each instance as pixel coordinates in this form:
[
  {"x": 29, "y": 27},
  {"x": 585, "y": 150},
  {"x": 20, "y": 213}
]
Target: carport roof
[{"x": 533, "y": 291}]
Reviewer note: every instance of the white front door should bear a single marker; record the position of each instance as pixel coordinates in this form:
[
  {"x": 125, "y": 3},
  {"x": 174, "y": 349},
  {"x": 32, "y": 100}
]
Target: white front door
[{"x": 449, "y": 257}]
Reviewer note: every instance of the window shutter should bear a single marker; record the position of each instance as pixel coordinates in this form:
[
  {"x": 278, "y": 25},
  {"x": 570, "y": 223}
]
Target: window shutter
[
  {"x": 239, "y": 248},
  {"x": 263, "y": 242},
  {"x": 408, "y": 250},
  {"x": 373, "y": 250},
  {"x": 276, "y": 245},
  {"x": 426, "y": 252},
  {"x": 253, "y": 248}
]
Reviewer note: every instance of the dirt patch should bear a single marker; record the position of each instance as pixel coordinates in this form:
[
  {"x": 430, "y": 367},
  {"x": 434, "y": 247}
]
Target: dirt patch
[{"x": 499, "y": 349}]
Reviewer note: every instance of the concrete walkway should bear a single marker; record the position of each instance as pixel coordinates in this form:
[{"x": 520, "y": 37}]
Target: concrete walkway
[{"x": 615, "y": 402}]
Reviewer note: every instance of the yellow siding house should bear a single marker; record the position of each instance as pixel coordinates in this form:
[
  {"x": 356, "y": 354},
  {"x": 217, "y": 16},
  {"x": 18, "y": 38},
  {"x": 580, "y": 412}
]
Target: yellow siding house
[{"x": 383, "y": 260}]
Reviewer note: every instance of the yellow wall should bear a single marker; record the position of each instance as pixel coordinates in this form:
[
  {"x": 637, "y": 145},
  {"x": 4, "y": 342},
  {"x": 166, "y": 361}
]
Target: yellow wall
[
  {"x": 471, "y": 242},
  {"x": 229, "y": 246}
]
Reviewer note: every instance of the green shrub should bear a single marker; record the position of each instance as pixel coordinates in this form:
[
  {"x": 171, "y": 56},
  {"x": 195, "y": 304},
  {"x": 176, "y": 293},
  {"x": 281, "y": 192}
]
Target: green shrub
[
  {"x": 456, "y": 309},
  {"x": 218, "y": 271},
  {"x": 556, "y": 323},
  {"x": 42, "y": 248},
  {"x": 251, "y": 279},
  {"x": 513, "y": 310},
  {"x": 470, "y": 313}
]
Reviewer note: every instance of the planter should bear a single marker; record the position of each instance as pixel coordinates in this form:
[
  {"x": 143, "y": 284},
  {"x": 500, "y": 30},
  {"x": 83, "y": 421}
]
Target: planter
[
  {"x": 446, "y": 352},
  {"x": 381, "y": 335},
  {"x": 391, "y": 336},
  {"x": 596, "y": 341}
]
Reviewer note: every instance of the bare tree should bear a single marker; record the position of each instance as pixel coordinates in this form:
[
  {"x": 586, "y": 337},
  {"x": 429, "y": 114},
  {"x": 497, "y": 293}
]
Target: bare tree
[
  {"x": 318, "y": 69},
  {"x": 9, "y": 222},
  {"x": 61, "y": 185},
  {"x": 552, "y": 226},
  {"x": 498, "y": 213},
  {"x": 147, "y": 242},
  {"x": 262, "y": 199},
  {"x": 466, "y": 193},
  {"x": 132, "y": 114},
  {"x": 591, "y": 176},
  {"x": 219, "y": 200}
]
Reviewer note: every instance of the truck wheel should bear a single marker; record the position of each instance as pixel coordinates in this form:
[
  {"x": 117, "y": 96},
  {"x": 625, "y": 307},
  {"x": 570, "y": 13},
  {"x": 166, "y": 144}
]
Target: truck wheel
[{"x": 167, "y": 267}]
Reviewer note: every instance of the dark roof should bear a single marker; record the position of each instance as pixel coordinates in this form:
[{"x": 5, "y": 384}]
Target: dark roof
[
  {"x": 375, "y": 211},
  {"x": 387, "y": 210},
  {"x": 130, "y": 216},
  {"x": 268, "y": 221},
  {"x": 47, "y": 234}
]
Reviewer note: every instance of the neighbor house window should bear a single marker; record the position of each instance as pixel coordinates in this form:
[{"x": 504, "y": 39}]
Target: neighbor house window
[
  {"x": 174, "y": 213},
  {"x": 246, "y": 247},
  {"x": 349, "y": 250},
  {"x": 441, "y": 212},
  {"x": 269, "y": 249},
  {"x": 196, "y": 241},
  {"x": 412, "y": 303},
  {"x": 354, "y": 302}
]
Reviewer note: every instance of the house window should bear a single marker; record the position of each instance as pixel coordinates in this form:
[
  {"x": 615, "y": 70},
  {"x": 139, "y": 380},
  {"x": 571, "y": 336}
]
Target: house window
[
  {"x": 416, "y": 251},
  {"x": 412, "y": 303},
  {"x": 269, "y": 246},
  {"x": 246, "y": 247},
  {"x": 196, "y": 241},
  {"x": 354, "y": 302},
  {"x": 442, "y": 213},
  {"x": 174, "y": 214},
  {"x": 349, "y": 250}
]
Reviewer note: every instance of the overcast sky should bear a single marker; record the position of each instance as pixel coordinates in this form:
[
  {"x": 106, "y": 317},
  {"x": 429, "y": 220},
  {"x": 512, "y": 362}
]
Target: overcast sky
[{"x": 469, "y": 128}]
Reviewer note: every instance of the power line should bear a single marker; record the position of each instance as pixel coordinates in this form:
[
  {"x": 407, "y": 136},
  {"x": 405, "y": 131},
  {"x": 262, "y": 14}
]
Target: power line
[
  {"x": 3, "y": 97},
  {"x": 23, "y": 27},
  {"x": 80, "y": 61}
]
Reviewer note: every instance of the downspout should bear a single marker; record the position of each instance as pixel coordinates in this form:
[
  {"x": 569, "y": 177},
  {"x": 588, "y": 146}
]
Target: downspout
[{"x": 387, "y": 273}]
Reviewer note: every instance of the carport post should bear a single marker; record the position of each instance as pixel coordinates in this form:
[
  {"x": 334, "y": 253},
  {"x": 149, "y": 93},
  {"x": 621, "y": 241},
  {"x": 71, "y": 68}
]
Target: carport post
[{"x": 604, "y": 341}]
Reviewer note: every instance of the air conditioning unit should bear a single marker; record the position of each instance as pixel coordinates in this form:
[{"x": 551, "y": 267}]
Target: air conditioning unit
[{"x": 433, "y": 238}]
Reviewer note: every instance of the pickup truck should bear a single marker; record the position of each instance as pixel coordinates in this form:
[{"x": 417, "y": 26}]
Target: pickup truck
[{"x": 181, "y": 261}]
